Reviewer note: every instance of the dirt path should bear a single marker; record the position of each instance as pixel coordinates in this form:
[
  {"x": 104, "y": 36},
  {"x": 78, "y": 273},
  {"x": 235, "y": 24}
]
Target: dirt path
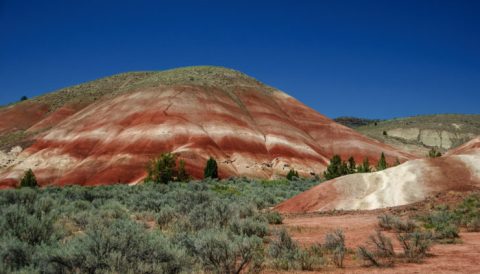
[{"x": 446, "y": 258}]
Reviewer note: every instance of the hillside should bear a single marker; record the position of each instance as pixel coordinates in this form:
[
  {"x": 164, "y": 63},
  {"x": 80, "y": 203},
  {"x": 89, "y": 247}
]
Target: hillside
[
  {"x": 410, "y": 182},
  {"x": 419, "y": 133},
  {"x": 105, "y": 131}
]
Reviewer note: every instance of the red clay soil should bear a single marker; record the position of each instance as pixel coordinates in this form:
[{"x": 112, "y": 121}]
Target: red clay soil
[
  {"x": 445, "y": 258},
  {"x": 21, "y": 116},
  {"x": 469, "y": 147},
  {"x": 408, "y": 183},
  {"x": 251, "y": 132}
]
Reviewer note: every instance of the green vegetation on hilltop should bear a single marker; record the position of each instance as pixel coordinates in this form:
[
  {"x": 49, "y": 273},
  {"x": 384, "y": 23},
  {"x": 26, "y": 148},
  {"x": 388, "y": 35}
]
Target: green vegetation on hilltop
[
  {"x": 91, "y": 91},
  {"x": 354, "y": 122}
]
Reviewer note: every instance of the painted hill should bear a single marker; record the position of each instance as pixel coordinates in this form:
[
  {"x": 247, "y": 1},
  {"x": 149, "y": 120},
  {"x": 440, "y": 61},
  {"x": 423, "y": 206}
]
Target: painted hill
[
  {"x": 420, "y": 133},
  {"x": 105, "y": 131},
  {"x": 409, "y": 182}
]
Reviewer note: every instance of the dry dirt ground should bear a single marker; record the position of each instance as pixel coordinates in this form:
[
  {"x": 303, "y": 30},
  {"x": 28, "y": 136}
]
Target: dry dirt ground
[{"x": 307, "y": 229}]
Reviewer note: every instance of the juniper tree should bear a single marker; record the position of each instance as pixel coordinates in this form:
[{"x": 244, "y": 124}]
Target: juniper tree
[
  {"x": 365, "y": 166},
  {"x": 352, "y": 166},
  {"x": 382, "y": 163},
  {"x": 29, "y": 179},
  {"x": 291, "y": 174},
  {"x": 211, "y": 169}
]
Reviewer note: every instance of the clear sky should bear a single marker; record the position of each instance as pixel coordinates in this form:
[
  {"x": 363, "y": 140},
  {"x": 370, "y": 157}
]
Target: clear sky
[{"x": 374, "y": 59}]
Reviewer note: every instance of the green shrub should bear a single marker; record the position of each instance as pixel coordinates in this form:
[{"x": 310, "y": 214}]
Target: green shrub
[
  {"x": 444, "y": 224},
  {"x": 274, "y": 218},
  {"x": 404, "y": 225},
  {"x": 108, "y": 229},
  {"x": 387, "y": 221},
  {"x": 249, "y": 227},
  {"x": 415, "y": 245},
  {"x": 14, "y": 254},
  {"x": 335, "y": 244},
  {"x": 219, "y": 254},
  {"x": 283, "y": 250},
  {"x": 166, "y": 216},
  {"x": 121, "y": 246},
  {"x": 380, "y": 253}
]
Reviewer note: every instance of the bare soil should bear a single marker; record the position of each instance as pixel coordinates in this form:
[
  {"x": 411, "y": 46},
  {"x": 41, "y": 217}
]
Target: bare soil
[{"x": 357, "y": 226}]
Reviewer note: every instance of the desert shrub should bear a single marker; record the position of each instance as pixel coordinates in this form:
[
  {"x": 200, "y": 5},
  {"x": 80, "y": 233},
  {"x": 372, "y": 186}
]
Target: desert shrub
[
  {"x": 283, "y": 250},
  {"x": 107, "y": 229},
  {"x": 473, "y": 225},
  {"x": 387, "y": 221},
  {"x": 415, "y": 245},
  {"x": 443, "y": 222},
  {"x": 407, "y": 225},
  {"x": 274, "y": 218},
  {"x": 217, "y": 214},
  {"x": 249, "y": 227},
  {"x": 33, "y": 229},
  {"x": 14, "y": 254},
  {"x": 219, "y": 254},
  {"x": 166, "y": 216},
  {"x": 380, "y": 252},
  {"x": 29, "y": 179},
  {"x": 121, "y": 246},
  {"x": 335, "y": 244},
  {"x": 112, "y": 210},
  {"x": 468, "y": 212}
]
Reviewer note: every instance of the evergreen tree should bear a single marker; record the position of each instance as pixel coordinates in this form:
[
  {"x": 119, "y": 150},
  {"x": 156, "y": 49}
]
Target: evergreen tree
[
  {"x": 211, "y": 169},
  {"x": 352, "y": 166},
  {"x": 365, "y": 166},
  {"x": 29, "y": 179},
  {"x": 182, "y": 175},
  {"x": 162, "y": 169},
  {"x": 291, "y": 174},
  {"x": 23, "y": 98},
  {"x": 382, "y": 163},
  {"x": 336, "y": 168}
]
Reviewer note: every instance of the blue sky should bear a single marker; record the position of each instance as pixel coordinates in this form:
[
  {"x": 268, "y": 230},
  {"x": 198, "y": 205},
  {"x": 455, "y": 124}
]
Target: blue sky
[{"x": 374, "y": 59}]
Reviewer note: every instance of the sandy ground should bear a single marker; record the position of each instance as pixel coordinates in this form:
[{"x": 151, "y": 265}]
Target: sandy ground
[{"x": 443, "y": 258}]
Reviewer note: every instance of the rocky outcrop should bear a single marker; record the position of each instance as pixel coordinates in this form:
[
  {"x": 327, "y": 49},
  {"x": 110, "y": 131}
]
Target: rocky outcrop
[{"x": 430, "y": 137}]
